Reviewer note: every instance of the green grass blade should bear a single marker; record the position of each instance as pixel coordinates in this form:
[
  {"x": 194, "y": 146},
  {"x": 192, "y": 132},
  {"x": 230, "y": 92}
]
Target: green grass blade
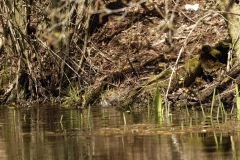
[
  {"x": 204, "y": 115},
  {"x": 158, "y": 105},
  {"x": 149, "y": 111},
  {"x": 158, "y": 101},
  {"x": 237, "y": 99},
  {"x": 213, "y": 100}
]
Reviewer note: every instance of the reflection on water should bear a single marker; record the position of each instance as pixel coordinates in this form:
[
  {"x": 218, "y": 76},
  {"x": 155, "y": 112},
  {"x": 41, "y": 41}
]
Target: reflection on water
[{"x": 47, "y": 132}]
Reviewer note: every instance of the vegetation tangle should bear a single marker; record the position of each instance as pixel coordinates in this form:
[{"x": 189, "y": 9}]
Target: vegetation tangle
[{"x": 114, "y": 52}]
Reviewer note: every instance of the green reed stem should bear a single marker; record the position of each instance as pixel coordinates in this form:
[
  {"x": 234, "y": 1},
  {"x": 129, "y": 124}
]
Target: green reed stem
[
  {"x": 168, "y": 110},
  {"x": 158, "y": 102},
  {"x": 61, "y": 119},
  {"x": 61, "y": 122},
  {"x": 148, "y": 110},
  {"x": 213, "y": 100},
  {"x": 204, "y": 115},
  {"x": 237, "y": 98},
  {"x": 88, "y": 116},
  {"x": 216, "y": 140},
  {"x": 124, "y": 119}
]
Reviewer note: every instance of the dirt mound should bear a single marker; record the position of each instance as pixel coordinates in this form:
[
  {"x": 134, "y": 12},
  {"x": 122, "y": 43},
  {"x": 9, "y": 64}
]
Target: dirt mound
[{"x": 146, "y": 39}]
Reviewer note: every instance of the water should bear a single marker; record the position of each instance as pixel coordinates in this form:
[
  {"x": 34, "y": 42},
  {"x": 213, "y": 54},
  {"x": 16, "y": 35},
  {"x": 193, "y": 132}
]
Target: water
[{"x": 48, "y": 132}]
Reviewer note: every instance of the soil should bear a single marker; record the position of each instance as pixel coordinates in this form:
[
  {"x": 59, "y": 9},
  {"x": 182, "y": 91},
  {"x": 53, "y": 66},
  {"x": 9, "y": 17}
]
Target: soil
[{"x": 139, "y": 43}]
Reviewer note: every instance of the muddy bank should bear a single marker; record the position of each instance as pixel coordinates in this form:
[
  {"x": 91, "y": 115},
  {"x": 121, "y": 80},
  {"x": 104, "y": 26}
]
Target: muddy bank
[
  {"x": 115, "y": 52},
  {"x": 147, "y": 51}
]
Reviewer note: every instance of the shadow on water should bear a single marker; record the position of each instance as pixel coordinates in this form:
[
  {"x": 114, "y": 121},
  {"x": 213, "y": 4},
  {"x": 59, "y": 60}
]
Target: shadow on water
[{"x": 50, "y": 132}]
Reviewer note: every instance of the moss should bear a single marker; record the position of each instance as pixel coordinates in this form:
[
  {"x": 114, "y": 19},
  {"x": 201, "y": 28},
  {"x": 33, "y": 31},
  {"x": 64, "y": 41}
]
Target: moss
[
  {"x": 184, "y": 76},
  {"x": 215, "y": 53},
  {"x": 193, "y": 68}
]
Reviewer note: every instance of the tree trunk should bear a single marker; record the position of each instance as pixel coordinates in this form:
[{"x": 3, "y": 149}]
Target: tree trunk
[{"x": 231, "y": 10}]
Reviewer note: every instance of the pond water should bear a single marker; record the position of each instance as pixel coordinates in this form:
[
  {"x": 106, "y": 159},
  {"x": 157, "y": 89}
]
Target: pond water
[{"x": 50, "y": 132}]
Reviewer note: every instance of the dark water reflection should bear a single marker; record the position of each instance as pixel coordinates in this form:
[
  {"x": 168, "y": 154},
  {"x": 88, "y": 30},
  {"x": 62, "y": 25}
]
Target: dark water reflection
[{"x": 47, "y": 132}]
